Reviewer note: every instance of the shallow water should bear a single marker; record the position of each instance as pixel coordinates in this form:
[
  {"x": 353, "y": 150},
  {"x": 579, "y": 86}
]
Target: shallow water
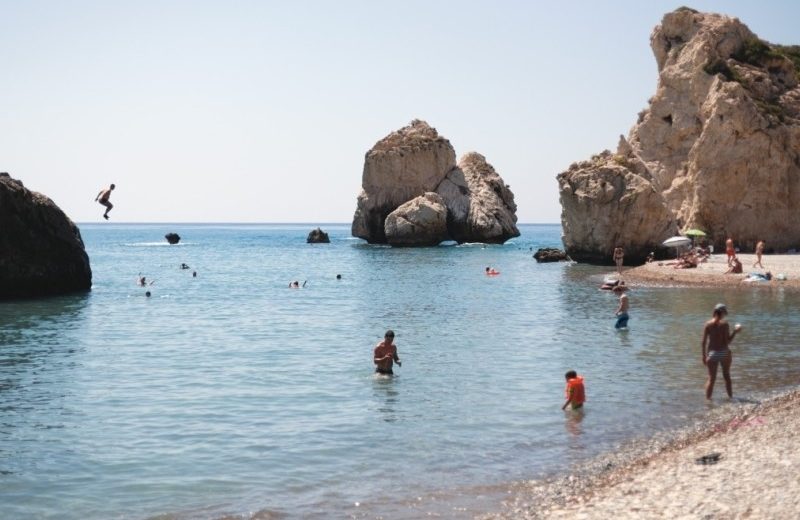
[{"x": 230, "y": 393}]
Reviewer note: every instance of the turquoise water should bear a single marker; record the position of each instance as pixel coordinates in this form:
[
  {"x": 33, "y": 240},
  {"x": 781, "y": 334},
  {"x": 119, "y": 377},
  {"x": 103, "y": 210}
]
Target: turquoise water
[{"x": 231, "y": 394}]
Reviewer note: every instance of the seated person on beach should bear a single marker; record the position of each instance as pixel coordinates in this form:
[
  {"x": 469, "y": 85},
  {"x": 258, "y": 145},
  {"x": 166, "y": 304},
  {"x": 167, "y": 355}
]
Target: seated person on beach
[
  {"x": 575, "y": 392},
  {"x": 686, "y": 261},
  {"x": 736, "y": 266},
  {"x": 385, "y": 353},
  {"x": 650, "y": 257}
]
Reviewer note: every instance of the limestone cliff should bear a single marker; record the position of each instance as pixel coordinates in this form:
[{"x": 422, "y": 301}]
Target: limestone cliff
[
  {"x": 416, "y": 163},
  {"x": 41, "y": 251},
  {"x": 716, "y": 149}
]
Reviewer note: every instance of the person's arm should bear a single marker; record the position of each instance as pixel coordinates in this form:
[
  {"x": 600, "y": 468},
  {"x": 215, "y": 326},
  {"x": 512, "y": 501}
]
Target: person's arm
[
  {"x": 98, "y": 195},
  {"x": 736, "y": 329},
  {"x": 569, "y": 399},
  {"x": 703, "y": 344},
  {"x": 619, "y": 309},
  {"x": 396, "y": 358}
]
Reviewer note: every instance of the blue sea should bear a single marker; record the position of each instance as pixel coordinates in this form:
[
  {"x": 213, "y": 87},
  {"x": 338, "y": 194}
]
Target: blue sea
[{"x": 230, "y": 395}]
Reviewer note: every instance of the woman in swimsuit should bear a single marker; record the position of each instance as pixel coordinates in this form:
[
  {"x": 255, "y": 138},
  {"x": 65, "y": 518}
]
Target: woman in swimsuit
[{"x": 714, "y": 349}]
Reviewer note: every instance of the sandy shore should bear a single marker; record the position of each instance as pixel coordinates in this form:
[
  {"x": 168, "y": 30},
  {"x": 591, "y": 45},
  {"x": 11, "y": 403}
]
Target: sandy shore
[
  {"x": 756, "y": 475},
  {"x": 711, "y": 273}
]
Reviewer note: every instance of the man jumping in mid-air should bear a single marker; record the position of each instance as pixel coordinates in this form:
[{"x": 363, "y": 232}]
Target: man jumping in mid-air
[{"x": 103, "y": 197}]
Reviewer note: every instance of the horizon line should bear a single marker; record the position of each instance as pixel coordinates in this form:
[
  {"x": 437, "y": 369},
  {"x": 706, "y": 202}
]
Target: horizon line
[{"x": 199, "y": 223}]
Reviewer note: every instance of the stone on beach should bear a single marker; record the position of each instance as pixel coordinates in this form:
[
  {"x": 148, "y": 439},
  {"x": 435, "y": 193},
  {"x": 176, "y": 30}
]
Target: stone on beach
[
  {"x": 716, "y": 149},
  {"x": 550, "y": 254},
  {"x": 41, "y": 250}
]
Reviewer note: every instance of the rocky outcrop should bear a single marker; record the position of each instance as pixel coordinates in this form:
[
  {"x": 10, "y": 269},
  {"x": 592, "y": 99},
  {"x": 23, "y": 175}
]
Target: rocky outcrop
[
  {"x": 173, "y": 238},
  {"x": 481, "y": 206},
  {"x": 415, "y": 161},
  {"x": 718, "y": 149},
  {"x": 41, "y": 250},
  {"x": 550, "y": 254},
  {"x": 422, "y": 221},
  {"x": 317, "y": 236}
]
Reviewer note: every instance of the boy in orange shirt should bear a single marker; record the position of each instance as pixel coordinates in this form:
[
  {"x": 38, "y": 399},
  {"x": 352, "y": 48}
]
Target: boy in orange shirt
[{"x": 576, "y": 394}]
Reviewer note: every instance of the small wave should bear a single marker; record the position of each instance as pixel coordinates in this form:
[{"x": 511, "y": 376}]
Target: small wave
[{"x": 156, "y": 244}]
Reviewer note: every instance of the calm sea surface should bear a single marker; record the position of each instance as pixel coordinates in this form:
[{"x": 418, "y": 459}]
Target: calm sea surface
[{"x": 231, "y": 394}]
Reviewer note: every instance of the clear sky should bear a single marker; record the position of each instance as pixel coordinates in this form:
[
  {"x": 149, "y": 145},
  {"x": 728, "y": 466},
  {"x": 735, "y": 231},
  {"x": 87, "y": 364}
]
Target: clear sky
[{"x": 262, "y": 111}]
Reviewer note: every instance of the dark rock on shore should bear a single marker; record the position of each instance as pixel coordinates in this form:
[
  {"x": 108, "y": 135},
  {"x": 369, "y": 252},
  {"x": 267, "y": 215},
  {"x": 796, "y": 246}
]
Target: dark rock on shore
[
  {"x": 550, "y": 254},
  {"x": 173, "y": 238},
  {"x": 317, "y": 236},
  {"x": 41, "y": 250}
]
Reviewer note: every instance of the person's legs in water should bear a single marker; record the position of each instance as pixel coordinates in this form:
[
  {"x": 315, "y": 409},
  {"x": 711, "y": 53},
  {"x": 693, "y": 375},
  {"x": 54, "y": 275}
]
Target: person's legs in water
[
  {"x": 712, "y": 377},
  {"x": 622, "y": 321},
  {"x": 726, "y": 373}
]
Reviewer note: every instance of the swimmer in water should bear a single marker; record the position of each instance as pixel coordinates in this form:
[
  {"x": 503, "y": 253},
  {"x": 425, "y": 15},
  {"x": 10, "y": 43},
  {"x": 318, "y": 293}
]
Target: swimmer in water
[
  {"x": 490, "y": 271},
  {"x": 385, "y": 353}
]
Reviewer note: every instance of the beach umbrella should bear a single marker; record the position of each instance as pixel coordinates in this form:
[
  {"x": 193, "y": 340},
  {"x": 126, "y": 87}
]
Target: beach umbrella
[{"x": 677, "y": 243}]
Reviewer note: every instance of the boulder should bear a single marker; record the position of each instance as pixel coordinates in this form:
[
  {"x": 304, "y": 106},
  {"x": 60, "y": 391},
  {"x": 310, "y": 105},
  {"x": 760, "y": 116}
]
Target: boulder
[
  {"x": 41, "y": 250},
  {"x": 416, "y": 160},
  {"x": 716, "y": 149},
  {"x": 480, "y": 205},
  {"x": 550, "y": 254},
  {"x": 422, "y": 221},
  {"x": 173, "y": 238},
  {"x": 317, "y": 236}
]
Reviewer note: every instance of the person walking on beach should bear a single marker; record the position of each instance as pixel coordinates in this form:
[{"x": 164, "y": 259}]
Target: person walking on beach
[
  {"x": 759, "y": 252},
  {"x": 622, "y": 310},
  {"x": 619, "y": 255},
  {"x": 385, "y": 353},
  {"x": 729, "y": 250},
  {"x": 103, "y": 197},
  {"x": 575, "y": 392},
  {"x": 714, "y": 348}
]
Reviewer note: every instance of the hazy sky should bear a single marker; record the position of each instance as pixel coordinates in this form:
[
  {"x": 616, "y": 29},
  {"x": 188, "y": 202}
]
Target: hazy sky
[{"x": 259, "y": 111}]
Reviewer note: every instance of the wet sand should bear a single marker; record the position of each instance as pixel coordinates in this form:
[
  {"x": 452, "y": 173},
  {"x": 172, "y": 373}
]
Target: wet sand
[
  {"x": 754, "y": 477},
  {"x": 711, "y": 272}
]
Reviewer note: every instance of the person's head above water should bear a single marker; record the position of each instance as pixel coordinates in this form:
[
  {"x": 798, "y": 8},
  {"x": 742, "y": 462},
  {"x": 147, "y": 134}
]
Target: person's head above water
[
  {"x": 338, "y": 277},
  {"x": 147, "y": 294},
  {"x": 488, "y": 269},
  {"x": 720, "y": 309},
  {"x": 389, "y": 334},
  {"x": 570, "y": 375}
]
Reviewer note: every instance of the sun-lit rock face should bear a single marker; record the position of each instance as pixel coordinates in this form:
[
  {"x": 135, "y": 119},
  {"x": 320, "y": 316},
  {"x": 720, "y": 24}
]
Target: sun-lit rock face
[
  {"x": 716, "y": 149},
  {"x": 415, "y": 161}
]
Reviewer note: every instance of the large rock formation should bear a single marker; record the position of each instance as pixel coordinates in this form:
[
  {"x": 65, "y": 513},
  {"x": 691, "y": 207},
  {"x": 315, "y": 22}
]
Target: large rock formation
[
  {"x": 41, "y": 251},
  {"x": 422, "y": 221},
  {"x": 317, "y": 236},
  {"x": 718, "y": 149},
  {"x": 415, "y": 161}
]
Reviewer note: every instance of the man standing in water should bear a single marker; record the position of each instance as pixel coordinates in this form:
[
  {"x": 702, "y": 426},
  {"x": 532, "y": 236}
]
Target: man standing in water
[
  {"x": 385, "y": 354},
  {"x": 103, "y": 197},
  {"x": 717, "y": 336},
  {"x": 622, "y": 310}
]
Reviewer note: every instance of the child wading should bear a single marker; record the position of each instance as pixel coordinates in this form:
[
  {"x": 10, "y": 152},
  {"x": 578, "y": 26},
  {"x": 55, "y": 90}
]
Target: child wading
[{"x": 576, "y": 395}]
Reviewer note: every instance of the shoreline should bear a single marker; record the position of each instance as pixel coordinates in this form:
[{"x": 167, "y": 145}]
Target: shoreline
[
  {"x": 658, "y": 478},
  {"x": 712, "y": 273}
]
